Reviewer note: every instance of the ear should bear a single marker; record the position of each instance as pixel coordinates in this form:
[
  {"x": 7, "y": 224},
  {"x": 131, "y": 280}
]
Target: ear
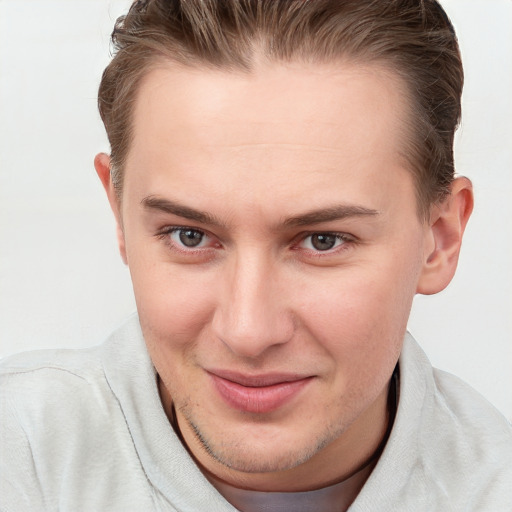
[
  {"x": 444, "y": 237},
  {"x": 102, "y": 166}
]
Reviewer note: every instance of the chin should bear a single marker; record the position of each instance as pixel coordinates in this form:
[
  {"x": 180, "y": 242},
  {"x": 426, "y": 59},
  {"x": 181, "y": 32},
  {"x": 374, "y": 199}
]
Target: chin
[
  {"x": 263, "y": 449},
  {"x": 250, "y": 460}
]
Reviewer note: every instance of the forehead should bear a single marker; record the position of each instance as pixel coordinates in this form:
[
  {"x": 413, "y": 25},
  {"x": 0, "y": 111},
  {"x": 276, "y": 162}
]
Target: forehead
[
  {"x": 292, "y": 126},
  {"x": 271, "y": 94}
]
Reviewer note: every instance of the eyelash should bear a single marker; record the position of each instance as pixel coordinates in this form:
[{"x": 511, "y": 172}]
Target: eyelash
[
  {"x": 166, "y": 233},
  {"x": 346, "y": 242},
  {"x": 345, "y": 239}
]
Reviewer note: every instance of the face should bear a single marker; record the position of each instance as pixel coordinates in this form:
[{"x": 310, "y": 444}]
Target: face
[{"x": 270, "y": 227}]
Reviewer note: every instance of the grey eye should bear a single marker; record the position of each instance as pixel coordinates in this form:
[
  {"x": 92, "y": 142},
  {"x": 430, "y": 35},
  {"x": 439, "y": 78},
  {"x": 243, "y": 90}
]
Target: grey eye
[
  {"x": 189, "y": 237},
  {"x": 323, "y": 242}
]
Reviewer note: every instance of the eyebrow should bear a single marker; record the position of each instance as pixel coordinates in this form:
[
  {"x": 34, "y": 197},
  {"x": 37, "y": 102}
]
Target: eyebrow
[
  {"x": 174, "y": 208},
  {"x": 330, "y": 214},
  {"x": 312, "y": 217}
]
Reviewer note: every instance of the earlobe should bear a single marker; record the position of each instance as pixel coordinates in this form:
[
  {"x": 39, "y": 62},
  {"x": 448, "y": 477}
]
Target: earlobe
[
  {"x": 444, "y": 237},
  {"x": 102, "y": 166}
]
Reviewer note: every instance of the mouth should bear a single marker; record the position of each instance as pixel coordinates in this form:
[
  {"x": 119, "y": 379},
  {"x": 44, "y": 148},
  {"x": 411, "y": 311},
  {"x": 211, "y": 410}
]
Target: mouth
[{"x": 257, "y": 393}]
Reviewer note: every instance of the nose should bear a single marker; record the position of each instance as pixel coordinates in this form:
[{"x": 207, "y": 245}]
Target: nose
[{"x": 252, "y": 312}]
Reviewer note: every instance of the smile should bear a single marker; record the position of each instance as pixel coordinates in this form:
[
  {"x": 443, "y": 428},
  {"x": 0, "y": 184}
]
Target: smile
[{"x": 257, "y": 394}]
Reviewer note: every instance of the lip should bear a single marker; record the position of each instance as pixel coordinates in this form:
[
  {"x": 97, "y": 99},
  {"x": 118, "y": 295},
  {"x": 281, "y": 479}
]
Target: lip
[{"x": 257, "y": 393}]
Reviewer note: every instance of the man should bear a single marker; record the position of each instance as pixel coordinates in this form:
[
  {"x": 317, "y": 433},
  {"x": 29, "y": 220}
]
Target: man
[{"x": 282, "y": 178}]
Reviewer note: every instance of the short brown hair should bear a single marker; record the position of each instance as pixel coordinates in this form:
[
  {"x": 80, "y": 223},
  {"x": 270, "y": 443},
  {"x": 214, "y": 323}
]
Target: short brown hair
[{"x": 413, "y": 38}]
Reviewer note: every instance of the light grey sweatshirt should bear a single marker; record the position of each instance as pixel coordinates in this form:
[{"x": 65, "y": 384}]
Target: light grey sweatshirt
[{"x": 84, "y": 430}]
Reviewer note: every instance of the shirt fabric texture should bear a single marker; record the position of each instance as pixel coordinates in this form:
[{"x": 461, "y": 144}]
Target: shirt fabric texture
[{"x": 85, "y": 430}]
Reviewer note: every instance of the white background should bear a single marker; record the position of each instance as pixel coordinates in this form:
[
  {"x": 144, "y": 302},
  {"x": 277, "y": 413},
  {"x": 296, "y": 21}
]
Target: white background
[{"x": 62, "y": 283}]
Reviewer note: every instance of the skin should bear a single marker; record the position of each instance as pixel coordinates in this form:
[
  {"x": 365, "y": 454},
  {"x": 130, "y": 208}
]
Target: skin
[{"x": 256, "y": 154}]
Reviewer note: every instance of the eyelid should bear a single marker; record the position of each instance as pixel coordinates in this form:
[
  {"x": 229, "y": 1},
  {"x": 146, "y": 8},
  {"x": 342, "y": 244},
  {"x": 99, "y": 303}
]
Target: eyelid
[
  {"x": 167, "y": 231},
  {"x": 346, "y": 238}
]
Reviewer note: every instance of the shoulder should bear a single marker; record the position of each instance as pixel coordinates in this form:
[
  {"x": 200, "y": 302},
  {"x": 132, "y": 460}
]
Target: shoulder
[
  {"x": 447, "y": 398},
  {"x": 63, "y": 435},
  {"x": 449, "y": 449},
  {"x": 479, "y": 434},
  {"x": 477, "y": 427},
  {"x": 73, "y": 361},
  {"x": 60, "y": 386},
  {"x": 47, "y": 394},
  {"x": 50, "y": 369},
  {"x": 464, "y": 405},
  {"x": 38, "y": 379},
  {"x": 464, "y": 443},
  {"x": 68, "y": 388}
]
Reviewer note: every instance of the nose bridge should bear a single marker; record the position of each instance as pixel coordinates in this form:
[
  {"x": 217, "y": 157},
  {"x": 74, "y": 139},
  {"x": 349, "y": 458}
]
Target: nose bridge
[{"x": 252, "y": 313}]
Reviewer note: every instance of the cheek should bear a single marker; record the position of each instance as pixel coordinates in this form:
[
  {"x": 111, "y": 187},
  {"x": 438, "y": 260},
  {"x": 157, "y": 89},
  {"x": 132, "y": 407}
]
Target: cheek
[
  {"x": 173, "y": 304},
  {"x": 360, "y": 316},
  {"x": 360, "y": 320}
]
